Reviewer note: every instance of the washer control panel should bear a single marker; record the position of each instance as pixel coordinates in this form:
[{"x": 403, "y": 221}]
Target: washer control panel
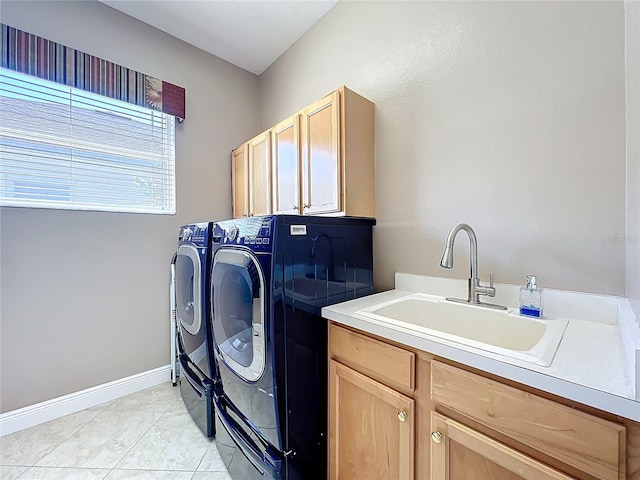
[
  {"x": 253, "y": 232},
  {"x": 198, "y": 234}
]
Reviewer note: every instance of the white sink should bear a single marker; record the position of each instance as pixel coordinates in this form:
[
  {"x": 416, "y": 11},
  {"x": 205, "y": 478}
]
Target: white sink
[{"x": 498, "y": 331}]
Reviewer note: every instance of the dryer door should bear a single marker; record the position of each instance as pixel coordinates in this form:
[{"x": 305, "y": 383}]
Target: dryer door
[
  {"x": 188, "y": 288},
  {"x": 238, "y": 305}
]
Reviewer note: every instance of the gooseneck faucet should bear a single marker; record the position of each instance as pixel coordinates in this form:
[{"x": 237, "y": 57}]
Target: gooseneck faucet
[{"x": 475, "y": 289}]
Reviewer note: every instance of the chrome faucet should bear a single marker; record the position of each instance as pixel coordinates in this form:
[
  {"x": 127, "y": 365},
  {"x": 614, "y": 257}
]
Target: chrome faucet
[{"x": 475, "y": 289}]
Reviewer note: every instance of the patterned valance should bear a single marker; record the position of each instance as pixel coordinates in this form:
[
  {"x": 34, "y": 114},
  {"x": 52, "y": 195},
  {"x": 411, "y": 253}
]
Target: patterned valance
[{"x": 48, "y": 60}]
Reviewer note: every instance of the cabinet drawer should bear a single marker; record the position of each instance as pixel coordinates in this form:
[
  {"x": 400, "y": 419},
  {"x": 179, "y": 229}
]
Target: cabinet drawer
[
  {"x": 591, "y": 444},
  {"x": 387, "y": 362}
]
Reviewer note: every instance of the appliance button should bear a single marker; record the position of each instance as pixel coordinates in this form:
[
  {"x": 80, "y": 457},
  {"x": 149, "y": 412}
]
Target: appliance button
[
  {"x": 265, "y": 241},
  {"x": 259, "y": 241},
  {"x": 232, "y": 233}
]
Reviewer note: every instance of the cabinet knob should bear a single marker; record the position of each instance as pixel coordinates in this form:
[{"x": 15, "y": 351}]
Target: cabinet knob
[
  {"x": 306, "y": 206},
  {"x": 436, "y": 437},
  {"x": 402, "y": 416},
  {"x": 295, "y": 207}
]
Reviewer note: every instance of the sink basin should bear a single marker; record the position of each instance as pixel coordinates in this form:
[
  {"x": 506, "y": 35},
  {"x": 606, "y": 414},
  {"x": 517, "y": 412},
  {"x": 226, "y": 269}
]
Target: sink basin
[{"x": 497, "y": 331}]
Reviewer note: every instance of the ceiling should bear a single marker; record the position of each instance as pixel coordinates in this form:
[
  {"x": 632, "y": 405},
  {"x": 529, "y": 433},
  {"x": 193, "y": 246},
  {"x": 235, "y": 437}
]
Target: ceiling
[{"x": 251, "y": 34}]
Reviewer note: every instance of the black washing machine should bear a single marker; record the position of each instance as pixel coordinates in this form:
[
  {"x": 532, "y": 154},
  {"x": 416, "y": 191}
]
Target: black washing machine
[
  {"x": 270, "y": 278},
  {"x": 198, "y": 369}
]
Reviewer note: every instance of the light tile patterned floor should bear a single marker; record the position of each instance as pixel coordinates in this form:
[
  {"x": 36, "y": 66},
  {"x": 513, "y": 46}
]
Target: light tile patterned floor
[{"x": 144, "y": 436}]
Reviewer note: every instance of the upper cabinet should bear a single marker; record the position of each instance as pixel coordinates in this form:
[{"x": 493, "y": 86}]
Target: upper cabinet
[
  {"x": 286, "y": 166},
  {"x": 321, "y": 161},
  {"x": 251, "y": 177},
  {"x": 240, "y": 181},
  {"x": 260, "y": 175}
]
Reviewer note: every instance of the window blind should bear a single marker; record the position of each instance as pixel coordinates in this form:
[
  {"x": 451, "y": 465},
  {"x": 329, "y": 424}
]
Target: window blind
[{"x": 62, "y": 147}]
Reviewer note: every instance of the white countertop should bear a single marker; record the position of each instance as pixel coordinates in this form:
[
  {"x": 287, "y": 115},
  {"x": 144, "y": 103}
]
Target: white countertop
[{"x": 594, "y": 364}]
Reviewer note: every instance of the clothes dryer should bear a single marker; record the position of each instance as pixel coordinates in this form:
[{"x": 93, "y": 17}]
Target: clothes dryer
[
  {"x": 198, "y": 370},
  {"x": 270, "y": 277}
]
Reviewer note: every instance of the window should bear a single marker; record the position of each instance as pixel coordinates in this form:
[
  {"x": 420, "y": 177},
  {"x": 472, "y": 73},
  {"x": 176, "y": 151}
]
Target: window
[{"x": 61, "y": 147}]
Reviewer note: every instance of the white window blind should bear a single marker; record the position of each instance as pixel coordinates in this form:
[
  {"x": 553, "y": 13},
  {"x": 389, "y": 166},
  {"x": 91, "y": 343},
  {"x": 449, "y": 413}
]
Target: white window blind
[{"x": 62, "y": 147}]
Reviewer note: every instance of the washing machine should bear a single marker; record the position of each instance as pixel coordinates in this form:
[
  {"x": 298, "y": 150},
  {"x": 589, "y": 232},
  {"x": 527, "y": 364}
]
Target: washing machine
[
  {"x": 270, "y": 278},
  {"x": 198, "y": 369}
]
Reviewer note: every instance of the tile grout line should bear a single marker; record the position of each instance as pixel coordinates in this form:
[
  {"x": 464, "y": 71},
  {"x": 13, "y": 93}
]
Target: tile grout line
[
  {"x": 66, "y": 438},
  {"x": 105, "y": 472},
  {"x": 162, "y": 414},
  {"x": 35, "y": 463},
  {"x": 58, "y": 468},
  {"x": 18, "y": 477},
  {"x": 204, "y": 455}
]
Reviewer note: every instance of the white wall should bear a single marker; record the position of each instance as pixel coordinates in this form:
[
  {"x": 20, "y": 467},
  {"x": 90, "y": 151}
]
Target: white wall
[
  {"x": 509, "y": 116},
  {"x": 632, "y": 55},
  {"x": 85, "y": 294}
]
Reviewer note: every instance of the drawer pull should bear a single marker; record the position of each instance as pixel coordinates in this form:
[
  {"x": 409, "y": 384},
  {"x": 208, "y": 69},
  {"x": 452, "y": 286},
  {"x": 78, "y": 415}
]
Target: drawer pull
[
  {"x": 402, "y": 416},
  {"x": 436, "y": 437}
]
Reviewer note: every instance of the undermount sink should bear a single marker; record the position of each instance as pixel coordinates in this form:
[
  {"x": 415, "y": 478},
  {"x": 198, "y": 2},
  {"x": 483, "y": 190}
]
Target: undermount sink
[{"x": 498, "y": 331}]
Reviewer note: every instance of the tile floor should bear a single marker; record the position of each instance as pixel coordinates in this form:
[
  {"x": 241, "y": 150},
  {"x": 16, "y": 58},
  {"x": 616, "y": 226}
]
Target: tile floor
[{"x": 148, "y": 435}]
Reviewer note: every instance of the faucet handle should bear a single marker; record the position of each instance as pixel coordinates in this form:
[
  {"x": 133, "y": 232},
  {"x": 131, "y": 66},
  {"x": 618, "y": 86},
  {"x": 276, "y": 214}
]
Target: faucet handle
[{"x": 486, "y": 290}]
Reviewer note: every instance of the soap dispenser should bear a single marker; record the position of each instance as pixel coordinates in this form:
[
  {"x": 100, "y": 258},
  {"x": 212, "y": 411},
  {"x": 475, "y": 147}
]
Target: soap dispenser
[{"x": 531, "y": 298}]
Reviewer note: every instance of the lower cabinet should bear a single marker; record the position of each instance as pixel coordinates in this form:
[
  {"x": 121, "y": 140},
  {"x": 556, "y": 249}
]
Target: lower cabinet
[
  {"x": 459, "y": 452},
  {"x": 372, "y": 428},
  {"x": 398, "y": 413}
]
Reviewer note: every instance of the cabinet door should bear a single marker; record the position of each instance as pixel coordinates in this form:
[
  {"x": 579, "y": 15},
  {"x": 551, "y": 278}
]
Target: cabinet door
[
  {"x": 286, "y": 167},
  {"x": 461, "y": 453},
  {"x": 321, "y": 166},
  {"x": 260, "y": 175},
  {"x": 371, "y": 428},
  {"x": 239, "y": 181}
]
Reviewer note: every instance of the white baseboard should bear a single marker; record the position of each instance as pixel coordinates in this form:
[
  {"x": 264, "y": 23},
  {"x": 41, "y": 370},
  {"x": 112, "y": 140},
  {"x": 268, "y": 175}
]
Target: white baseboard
[{"x": 26, "y": 417}]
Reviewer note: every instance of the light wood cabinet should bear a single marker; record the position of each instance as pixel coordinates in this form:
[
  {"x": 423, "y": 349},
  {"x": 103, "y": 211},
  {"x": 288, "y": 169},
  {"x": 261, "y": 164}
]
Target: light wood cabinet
[
  {"x": 260, "y": 175},
  {"x": 372, "y": 413},
  {"x": 372, "y": 428},
  {"x": 322, "y": 161},
  {"x": 483, "y": 427},
  {"x": 240, "y": 181},
  {"x": 459, "y": 453},
  {"x": 286, "y": 166},
  {"x": 251, "y": 177},
  {"x": 337, "y": 156},
  {"x": 577, "y": 439}
]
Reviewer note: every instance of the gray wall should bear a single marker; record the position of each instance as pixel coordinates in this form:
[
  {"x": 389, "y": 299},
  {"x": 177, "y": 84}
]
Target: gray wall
[
  {"x": 632, "y": 55},
  {"x": 85, "y": 294},
  {"x": 509, "y": 116}
]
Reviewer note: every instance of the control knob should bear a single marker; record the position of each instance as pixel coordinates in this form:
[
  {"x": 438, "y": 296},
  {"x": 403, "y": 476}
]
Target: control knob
[{"x": 232, "y": 234}]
